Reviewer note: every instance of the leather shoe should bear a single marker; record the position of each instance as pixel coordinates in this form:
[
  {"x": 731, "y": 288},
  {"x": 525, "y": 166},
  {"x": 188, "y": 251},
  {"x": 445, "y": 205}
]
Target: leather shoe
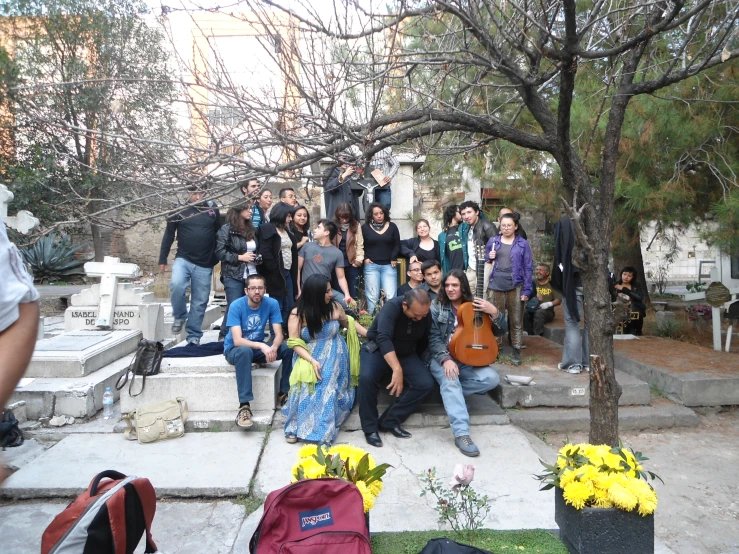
[
  {"x": 373, "y": 439},
  {"x": 397, "y": 431}
]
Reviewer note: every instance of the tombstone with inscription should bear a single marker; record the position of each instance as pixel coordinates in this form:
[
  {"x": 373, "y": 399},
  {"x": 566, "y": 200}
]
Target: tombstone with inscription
[{"x": 113, "y": 305}]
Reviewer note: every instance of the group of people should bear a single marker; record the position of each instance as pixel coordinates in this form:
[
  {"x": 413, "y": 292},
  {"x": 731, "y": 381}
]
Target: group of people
[{"x": 299, "y": 282}]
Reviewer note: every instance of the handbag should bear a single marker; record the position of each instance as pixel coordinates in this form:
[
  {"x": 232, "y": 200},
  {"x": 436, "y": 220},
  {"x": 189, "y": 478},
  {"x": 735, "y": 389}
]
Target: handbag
[
  {"x": 146, "y": 361},
  {"x": 162, "y": 421}
]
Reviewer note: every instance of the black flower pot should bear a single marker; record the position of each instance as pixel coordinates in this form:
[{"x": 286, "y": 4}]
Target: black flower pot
[{"x": 603, "y": 530}]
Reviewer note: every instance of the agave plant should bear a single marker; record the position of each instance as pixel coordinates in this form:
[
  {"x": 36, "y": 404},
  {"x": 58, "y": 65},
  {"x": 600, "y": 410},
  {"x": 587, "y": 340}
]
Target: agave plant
[{"x": 53, "y": 257}]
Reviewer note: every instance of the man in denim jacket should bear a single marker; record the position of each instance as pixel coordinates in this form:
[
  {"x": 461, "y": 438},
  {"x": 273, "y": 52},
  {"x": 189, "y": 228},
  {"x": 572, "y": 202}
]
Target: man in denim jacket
[{"x": 455, "y": 379}]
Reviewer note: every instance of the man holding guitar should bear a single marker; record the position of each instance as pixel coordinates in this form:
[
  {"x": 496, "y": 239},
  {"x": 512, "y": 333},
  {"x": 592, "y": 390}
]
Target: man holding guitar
[{"x": 456, "y": 378}]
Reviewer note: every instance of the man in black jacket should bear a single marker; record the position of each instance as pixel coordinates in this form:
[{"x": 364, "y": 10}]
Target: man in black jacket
[
  {"x": 196, "y": 228},
  {"x": 476, "y": 231},
  {"x": 398, "y": 339}
]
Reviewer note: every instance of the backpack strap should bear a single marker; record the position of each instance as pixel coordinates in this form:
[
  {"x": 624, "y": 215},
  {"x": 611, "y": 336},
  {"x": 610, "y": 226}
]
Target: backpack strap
[
  {"x": 131, "y": 369},
  {"x": 130, "y": 432},
  {"x": 148, "y": 499}
]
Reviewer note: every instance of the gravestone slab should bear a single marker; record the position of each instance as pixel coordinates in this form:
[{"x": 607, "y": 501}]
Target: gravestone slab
[
  {"x": 148, "y": 318},
  {"x": 77, "y": 354}
]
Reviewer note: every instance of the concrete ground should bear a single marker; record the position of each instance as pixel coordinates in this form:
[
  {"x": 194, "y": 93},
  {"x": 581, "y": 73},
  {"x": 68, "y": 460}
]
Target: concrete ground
[{"x": 504, "y": 472}]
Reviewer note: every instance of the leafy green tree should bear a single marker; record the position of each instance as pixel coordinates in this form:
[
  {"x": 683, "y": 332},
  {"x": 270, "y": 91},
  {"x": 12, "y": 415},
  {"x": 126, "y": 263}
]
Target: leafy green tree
[{"x": 92, "y": 109}]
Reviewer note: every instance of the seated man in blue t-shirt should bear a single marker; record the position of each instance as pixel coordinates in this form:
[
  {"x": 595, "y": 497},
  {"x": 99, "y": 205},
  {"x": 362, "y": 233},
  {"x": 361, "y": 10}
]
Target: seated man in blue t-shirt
[{"x": 245, "y": 343}]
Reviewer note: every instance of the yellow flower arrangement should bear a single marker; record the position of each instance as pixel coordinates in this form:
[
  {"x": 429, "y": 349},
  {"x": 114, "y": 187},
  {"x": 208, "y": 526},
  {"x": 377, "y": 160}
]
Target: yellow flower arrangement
[
  {"x": 601, "y": 476},
  {"x": 342, "y": 461}
]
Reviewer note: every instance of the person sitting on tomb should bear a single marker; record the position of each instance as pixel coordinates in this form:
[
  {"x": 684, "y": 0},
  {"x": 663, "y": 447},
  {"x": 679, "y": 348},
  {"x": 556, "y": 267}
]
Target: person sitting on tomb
[
  {"x": 540, "y": 308},
  {"x": 431, "y": 270},
  {"x": 631, "y": 293},
  {"x": 245, "y": 342},
  {"x": 398, "y": 340},
  {"x": 322, "y": 385},
  {"x": 415, "y": 279},
  {"x": 422, "y": 247},
  {"x": 456, "y": 379}
]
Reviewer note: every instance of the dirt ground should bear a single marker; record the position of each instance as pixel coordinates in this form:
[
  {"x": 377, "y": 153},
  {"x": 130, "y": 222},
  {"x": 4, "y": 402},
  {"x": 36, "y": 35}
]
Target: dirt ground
[{"x": 698, "y": 509}]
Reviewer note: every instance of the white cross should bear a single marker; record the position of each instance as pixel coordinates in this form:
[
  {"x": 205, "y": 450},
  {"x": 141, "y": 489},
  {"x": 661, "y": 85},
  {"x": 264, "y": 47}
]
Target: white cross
[
  {"x": 109, "y": 270},
  {"x": 23, "y": 222}
]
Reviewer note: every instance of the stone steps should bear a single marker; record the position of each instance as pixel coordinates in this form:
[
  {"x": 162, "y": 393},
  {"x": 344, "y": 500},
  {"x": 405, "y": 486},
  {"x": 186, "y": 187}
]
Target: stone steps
[{"x": 660, "y": 415}]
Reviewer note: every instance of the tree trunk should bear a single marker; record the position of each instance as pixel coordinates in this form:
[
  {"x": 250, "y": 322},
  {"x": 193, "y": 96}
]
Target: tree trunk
[
  {"x": 604, "y": 389},
  {"x": 97, "y": 242},
  {"x": 626, "y": 248}
]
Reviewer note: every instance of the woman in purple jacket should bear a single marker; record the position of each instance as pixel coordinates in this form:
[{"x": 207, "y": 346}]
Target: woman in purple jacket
[{"x": 510, "y": 283}]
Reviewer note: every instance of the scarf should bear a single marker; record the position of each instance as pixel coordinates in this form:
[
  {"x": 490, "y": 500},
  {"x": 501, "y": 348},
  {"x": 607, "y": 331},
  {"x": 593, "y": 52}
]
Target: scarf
[
  {"x": 377, "y": 226},
  {"x": 302, "y": 371},
  {"x": 352, "y": 341},
  {"x": 344, "y": 227}
]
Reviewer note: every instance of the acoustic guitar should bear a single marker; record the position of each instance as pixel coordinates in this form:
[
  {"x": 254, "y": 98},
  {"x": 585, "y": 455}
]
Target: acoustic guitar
[{"x": 473, "y": 342}]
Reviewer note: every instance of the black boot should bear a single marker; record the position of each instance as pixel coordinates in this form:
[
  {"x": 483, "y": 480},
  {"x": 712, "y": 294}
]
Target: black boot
[{"x": 516, "y": 357}]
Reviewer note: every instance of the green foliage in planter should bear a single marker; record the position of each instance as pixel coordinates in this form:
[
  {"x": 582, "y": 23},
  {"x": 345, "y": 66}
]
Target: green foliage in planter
[
  {"x": 669, "y": 329},
  {"x": 411, "y": 542},
  {"x": 53, "y": 257}
]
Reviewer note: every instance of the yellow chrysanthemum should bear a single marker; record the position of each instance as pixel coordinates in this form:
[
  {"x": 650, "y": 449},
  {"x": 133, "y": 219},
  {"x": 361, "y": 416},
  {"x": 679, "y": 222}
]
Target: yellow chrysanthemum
[
  {"x": 368, "y": 499},
  {"x": 600, "y": 498},
  {"x": 622, "y": 497},
  {"x": 375, "y": 487},
  {"x": 577, "y": 494},
  {"x": 352, "y": 454},
  {"x": 307, "y": 451},
  {"x": 311, "y": 469},
  {"x": 567, "y": 477}
]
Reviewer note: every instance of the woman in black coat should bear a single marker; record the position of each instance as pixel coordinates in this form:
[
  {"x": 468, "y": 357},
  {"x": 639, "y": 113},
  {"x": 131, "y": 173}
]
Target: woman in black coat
[
  {"x": 279, "y": 253},
  {"x": 629, "y": 291},
  {"x": 236, "y": 248}
]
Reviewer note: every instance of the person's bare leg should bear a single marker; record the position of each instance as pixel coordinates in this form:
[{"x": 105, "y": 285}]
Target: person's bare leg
[{"x": 16, "y": 348}]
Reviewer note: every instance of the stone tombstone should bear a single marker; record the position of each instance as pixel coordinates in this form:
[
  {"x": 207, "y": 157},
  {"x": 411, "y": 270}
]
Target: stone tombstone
[
  {"x": 717, "y": 294},
  {"x": 23, "y": 221},
  {"x": 134, "y": 310}
]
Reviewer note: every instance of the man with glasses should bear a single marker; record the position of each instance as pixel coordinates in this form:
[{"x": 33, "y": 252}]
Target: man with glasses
[
  {"x": 245, "y": 342},
  {"x": 398, "y": 339},
  {"x": 415, "y": 279},
  {"x": 288, "y": 196}
]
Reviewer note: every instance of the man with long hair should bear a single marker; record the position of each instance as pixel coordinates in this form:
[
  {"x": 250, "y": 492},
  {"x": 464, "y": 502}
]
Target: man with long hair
[
  {"x": 452, "y": 249},
  {"x": 456, "y": 379}
]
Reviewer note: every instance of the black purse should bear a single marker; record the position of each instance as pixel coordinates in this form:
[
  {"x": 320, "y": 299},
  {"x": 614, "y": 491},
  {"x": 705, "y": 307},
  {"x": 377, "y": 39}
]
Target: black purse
[{"x": 147, "y": 361}]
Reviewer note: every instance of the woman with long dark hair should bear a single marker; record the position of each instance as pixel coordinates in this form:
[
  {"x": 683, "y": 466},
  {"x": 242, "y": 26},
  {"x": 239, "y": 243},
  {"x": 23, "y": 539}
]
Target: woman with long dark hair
[
  {"x": 351, "y": 243},
  {"x": 320, "y": 402},
  {"x": 381, "y": 249},
  {"x": 236, "y": 248},
  {"x": 511, "y": 280},
  {"x": 279, "y": 257},
  {"x": 629, "y": 291},
  {"x": 421, "y": 247},
  {"x": 300, "y": 226}
]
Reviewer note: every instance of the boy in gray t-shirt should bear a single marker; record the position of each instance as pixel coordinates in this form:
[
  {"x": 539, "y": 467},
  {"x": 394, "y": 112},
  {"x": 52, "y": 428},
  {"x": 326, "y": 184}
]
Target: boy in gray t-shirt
[{"x": 322, "y": 257}]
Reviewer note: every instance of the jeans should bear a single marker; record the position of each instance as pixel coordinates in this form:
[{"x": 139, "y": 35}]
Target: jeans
[
  {"x": 286, "y": 302},
  {"x": 510, "y": 300},
  {"x": 185, "y": 273},
  {"x": 417, "y": 383},
  {"x": 533, "y": 323},
  {"x": 383, "y": 196},
  {"x": 471, "y": 380},
  {"x": 378, "y": 276},
  {"x": 242, "y": 357},
  {"x": 352, "y": 279},
  {"x": 577, "y": 347},
  {"x": 234, "y": 290}
]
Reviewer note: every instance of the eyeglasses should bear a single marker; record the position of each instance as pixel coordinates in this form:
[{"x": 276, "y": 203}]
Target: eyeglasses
[
  {"x": 256, "y": 289},
  {"x": 415, "y": 270}
]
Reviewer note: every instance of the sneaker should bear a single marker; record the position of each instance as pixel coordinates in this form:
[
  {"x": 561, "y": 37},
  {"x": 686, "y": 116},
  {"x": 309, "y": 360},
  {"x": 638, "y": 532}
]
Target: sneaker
[
  {"x": 516, "y": 357},
  {"x": 243, "y": 418},
  {"x": 193, "y": 341},
  {"x": 524, "y": 347},
  {"x": 466, "y": 446},
  {"x": 177, "y": 325},
  {"x": 574, "y": 368}
]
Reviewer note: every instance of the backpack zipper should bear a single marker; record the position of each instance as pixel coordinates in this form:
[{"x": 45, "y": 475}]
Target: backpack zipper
[{"x": 365, "y": 539}]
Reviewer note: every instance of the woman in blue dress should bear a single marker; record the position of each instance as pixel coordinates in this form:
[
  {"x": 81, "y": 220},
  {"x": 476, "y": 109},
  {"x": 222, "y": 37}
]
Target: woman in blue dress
[{"x": 315, "y": 411}]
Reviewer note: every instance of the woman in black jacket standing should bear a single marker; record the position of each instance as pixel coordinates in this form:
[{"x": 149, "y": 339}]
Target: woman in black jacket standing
[
  {"x": 236, "y": 248},
  {"x": 279, "y": 257},
  {"x": 422, "y": 247},
  {"x": 381, "y": 249}
]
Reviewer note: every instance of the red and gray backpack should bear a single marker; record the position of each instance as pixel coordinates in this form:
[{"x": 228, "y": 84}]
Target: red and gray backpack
[
  {"x": 316, "y": 515},
  {"x": 110, "y": 517}
]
